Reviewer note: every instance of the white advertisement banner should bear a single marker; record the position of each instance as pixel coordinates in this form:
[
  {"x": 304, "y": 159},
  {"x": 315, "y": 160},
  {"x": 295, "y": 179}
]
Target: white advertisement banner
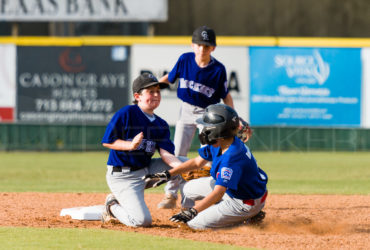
[
  {"x": 7, "y": 82},
  {"x": 365, "y": 108},
  {"x": 7, "y": 75},
  {"x": 160, "y": 59},
  {"x": 84, "y": 10}
]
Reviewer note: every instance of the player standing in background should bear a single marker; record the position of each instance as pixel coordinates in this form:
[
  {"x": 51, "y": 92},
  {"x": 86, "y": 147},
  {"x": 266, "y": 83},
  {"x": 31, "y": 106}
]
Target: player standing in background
[
  {"x": 202, "y": 82},
  {"x": 236, "y": 191},
  {"x": 133, "y": 135}
]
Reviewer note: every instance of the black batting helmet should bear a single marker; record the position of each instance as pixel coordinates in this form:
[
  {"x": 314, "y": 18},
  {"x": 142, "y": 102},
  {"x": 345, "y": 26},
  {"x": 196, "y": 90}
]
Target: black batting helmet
[{"x": 219, "y": 121}]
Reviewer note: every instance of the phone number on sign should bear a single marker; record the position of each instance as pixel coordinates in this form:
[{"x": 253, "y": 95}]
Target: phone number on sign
[{"x": 52, "y": 105}]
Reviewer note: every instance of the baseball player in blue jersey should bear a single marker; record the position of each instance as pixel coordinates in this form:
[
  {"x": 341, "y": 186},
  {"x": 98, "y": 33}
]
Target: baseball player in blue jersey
[
  {"x": 133, "y": 135},
  {"x": 236, "y": 191},
  {"x": 202, "y": 82}
]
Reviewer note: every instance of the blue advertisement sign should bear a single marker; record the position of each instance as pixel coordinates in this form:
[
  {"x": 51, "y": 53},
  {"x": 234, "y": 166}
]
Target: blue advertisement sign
[{"x": 305, "y": 86}]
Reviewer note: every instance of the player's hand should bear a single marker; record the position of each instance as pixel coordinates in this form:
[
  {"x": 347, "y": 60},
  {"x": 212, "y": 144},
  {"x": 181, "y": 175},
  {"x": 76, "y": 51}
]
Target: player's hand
[
  {"x": 135, "y": 143},
  {"x": 185, "y": 215},
  {"x": 154, "y": 180}
]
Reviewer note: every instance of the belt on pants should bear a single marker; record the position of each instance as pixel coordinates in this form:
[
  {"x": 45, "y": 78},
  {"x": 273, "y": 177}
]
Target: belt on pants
[
  {"x": 120, "y": 168},
  {"x": 251, "y": 202}
]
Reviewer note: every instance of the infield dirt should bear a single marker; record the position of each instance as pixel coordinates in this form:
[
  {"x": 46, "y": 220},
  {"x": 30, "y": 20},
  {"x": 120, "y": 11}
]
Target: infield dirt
[{"x": 292, "y": 221}]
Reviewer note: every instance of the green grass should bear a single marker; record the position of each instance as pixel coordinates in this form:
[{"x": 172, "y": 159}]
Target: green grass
[
  {"x": 294, "y": 173},
  {"x": 317, "y": 173},
  {"x": 53, "y": 172},
  {"x": 57, "y": 238}
]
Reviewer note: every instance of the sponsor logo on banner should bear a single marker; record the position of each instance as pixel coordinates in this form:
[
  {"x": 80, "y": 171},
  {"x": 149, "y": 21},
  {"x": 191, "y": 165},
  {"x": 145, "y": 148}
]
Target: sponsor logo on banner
[
  {"x": 304, "y": 69},
  {"x": 71, "y": 61}
]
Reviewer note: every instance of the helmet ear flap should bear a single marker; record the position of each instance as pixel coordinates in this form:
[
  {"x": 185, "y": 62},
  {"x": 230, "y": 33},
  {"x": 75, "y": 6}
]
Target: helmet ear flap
[{"x": 204, "y": 137}]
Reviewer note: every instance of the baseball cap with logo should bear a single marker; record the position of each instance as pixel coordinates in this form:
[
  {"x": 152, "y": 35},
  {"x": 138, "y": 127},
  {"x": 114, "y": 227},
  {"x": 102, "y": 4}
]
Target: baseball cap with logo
[
  {"x": 204, "y": 35},
  {"x": 146, "y": 80}
]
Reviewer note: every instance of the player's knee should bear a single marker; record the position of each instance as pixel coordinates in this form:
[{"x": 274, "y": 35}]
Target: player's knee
[
  {"x": 195, "y": 225},
  {"x": 142, "y": 221},
  {"x": 189, "y": 190}
]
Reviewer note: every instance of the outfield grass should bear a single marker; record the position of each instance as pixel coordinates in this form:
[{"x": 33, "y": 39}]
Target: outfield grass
[
  {"x": 53, "y": 172},
  {"x": 58, "y": 238},
  {"x": 317, "y": 173},
  {"x": 294, "y": 173}
]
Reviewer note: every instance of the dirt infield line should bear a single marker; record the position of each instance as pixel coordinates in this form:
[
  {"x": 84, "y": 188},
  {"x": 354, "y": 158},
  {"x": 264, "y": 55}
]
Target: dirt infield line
[{"x": 292, "y": 221}]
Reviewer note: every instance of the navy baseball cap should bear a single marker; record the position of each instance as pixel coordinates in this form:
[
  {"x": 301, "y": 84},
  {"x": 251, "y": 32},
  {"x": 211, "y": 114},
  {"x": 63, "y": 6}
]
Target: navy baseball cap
[
  {"x": 204, "y": 35},
  {"x": 146, "y": 80}
]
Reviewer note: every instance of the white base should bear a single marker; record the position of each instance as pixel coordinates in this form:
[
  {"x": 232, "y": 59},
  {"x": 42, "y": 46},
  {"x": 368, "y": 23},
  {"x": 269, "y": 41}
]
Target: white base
[{"x": 83, "y": 213}]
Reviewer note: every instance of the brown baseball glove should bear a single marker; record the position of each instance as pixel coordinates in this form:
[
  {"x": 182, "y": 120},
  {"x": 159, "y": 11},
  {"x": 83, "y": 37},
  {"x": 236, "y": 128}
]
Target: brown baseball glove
[
  {"x": 245, "y": 131},
  {"x": 197, "y": 173}
]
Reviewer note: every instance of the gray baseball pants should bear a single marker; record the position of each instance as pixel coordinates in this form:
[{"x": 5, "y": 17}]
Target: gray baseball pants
[
  {"x": 128, "y": 188},
  {"x": 228, "y": 212}
]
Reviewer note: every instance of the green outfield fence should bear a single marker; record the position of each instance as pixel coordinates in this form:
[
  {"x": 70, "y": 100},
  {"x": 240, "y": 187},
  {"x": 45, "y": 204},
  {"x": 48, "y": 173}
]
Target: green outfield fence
[{"x": 34, "y": 137}]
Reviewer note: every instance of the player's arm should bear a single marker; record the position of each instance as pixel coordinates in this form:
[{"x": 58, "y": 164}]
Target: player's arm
[
  {"x": 188, "y": 165},
  {"x": 164, "y": 79},
  {"x": 178, "y": 166},
  {"x": 228, "y": 100},
  {"x": 188, "y": 214},
  {"x": 163, "y": 177},
  {"x": 211, "y": 199},
  {"x": 123, "y": 145},
  {"x": 169, "y": 159}
]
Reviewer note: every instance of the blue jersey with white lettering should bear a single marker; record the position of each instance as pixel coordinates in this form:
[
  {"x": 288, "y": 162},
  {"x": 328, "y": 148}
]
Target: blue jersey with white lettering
[
  {"x": 237, "y": 170},
  {"x": 126, "y": 124},
  {"x": 199, "y": 86}
]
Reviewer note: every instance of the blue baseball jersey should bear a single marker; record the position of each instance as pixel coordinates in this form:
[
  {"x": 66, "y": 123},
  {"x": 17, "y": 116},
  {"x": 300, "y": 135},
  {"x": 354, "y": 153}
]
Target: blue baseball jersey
[
  {"x": 236, "y": 170},
  {"x": 199, "y": 86},
  {"x": 126, "y": 124}
]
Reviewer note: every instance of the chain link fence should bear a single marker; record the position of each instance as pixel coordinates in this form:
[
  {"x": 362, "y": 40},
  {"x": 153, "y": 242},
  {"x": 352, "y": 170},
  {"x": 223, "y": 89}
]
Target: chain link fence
[{"x": 88, "y": 137}]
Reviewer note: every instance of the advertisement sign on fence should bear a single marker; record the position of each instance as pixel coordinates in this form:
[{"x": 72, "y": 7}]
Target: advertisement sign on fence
[
  {"x": 7, "y": 82},
  {"x": 67, "y": 85},
  {"x": 365, "y": 110},
  {"x": 305, "y": 86},
  {"x": 84, "y": 10}
]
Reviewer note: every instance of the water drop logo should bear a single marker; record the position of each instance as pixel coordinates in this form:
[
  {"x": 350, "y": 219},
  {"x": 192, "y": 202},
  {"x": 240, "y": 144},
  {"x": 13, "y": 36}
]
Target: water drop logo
[{"x": 304, "y": 69}]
